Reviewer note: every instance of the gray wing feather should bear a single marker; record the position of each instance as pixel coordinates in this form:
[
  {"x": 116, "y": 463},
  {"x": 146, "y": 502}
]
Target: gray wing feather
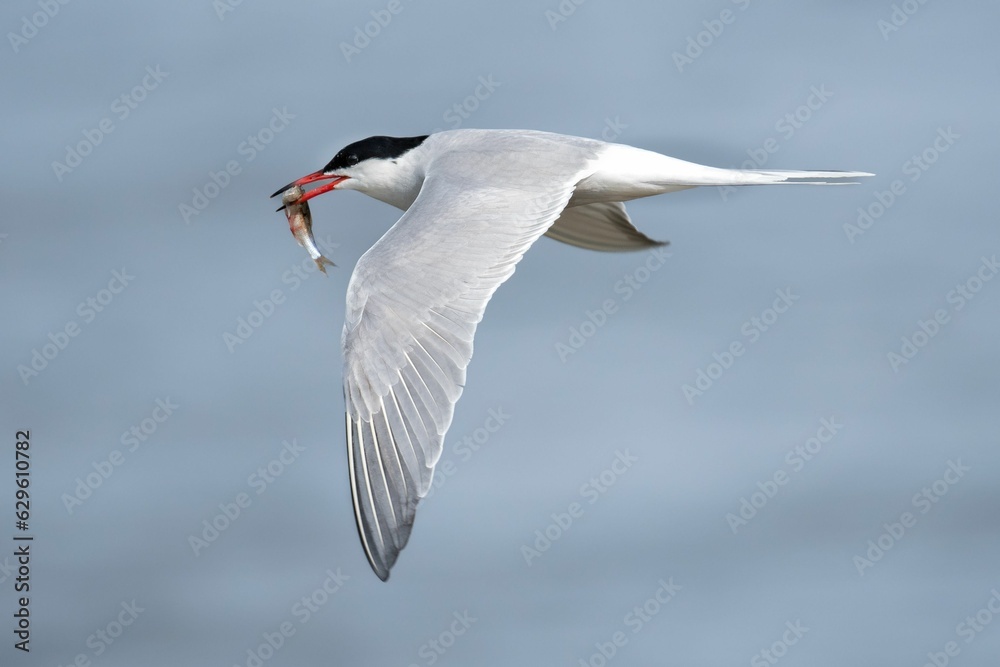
[{"x": 413, "y": 304}]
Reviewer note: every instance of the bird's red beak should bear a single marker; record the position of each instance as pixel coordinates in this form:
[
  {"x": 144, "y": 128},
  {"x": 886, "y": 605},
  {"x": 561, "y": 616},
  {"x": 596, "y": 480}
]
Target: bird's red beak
[{"x": 312, "y": 178}]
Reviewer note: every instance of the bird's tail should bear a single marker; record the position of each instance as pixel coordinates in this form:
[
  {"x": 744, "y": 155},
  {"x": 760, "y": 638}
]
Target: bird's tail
[
  {"x": 623, "y": 173},
  {"x": 622, "y": 165},
  {"x": 792, "y": 177}
]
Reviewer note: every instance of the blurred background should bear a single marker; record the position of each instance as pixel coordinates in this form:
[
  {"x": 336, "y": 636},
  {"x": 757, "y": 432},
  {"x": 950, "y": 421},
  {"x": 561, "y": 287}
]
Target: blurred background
[{"x": 617, "y": 486}]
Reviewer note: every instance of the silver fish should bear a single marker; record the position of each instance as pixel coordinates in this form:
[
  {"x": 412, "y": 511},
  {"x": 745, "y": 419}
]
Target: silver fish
[{"x": 300, "y": 222}]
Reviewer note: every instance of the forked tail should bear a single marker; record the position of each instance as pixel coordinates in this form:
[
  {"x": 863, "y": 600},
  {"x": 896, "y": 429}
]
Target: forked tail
[
  {"x": 623, "y": 173},
  {"x": 791, "y": 177}
]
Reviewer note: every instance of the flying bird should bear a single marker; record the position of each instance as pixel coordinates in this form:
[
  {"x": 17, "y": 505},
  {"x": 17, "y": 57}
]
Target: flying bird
[{"x": 474, "y": 201}]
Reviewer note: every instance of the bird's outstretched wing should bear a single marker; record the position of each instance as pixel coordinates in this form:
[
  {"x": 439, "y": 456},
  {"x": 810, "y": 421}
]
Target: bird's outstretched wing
[{"x": 413, "y": 304}]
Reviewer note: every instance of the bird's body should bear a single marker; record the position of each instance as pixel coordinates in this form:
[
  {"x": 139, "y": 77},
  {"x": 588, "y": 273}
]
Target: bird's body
[
  {"x": 616, "y": 172},
  {"x": 474, "y": 202}
]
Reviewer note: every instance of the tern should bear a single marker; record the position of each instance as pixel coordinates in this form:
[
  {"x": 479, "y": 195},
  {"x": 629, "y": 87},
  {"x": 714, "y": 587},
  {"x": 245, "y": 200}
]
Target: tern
[{"x": 474, "y": 201}]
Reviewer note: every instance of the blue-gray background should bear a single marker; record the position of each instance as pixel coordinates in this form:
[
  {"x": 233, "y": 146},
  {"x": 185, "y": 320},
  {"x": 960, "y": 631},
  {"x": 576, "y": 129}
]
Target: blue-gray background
[{"x": 607, "y": 69}]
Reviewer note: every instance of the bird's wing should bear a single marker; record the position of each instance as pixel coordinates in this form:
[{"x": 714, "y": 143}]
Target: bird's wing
[
  {"x": 413, "y": 304},
  {"x": 601, "y": 226}
]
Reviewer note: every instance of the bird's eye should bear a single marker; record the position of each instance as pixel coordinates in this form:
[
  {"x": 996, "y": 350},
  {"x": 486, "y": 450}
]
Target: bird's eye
[{"x": 353, "y": 159}]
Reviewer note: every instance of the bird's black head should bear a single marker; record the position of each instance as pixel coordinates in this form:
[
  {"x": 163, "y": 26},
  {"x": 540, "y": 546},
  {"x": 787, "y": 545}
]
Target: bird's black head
[
  {"x": 385, "y": 148},
  {"x": 371, "y": 165}
]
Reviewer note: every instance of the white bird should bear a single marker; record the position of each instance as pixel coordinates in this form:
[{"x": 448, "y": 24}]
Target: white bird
[{"x": 474, "y": 202}]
